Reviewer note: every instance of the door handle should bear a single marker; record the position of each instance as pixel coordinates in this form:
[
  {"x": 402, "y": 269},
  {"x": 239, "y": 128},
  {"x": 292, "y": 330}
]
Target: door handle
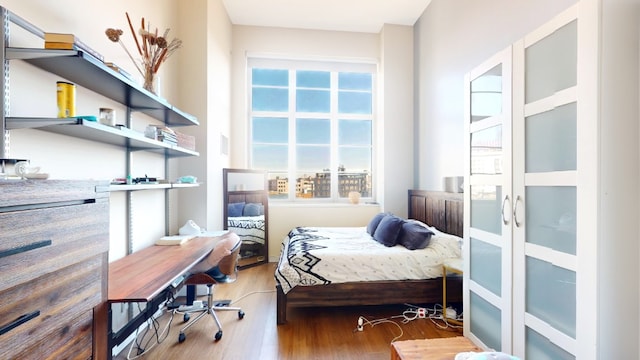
[
  {"x": 504, "y": 203},
  {"x": 515, "y": 211}
]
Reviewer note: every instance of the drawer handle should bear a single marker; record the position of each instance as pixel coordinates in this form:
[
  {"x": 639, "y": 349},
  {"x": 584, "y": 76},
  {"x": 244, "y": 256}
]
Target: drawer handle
[
  {"x": 29, "y": 247},
  {"x": 19, "y": 321}
]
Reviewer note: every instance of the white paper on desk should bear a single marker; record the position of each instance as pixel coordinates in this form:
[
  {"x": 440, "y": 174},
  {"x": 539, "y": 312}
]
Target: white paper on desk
[
  {"x": 174, "y": 239},
  {"x": 213, "y": 233}
]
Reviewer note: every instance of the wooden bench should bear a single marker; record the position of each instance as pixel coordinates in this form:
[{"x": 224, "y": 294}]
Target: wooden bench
[{"x": 431, "y": 349}]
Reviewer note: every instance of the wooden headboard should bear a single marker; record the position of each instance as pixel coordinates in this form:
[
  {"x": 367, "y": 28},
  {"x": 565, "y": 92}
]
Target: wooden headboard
[{"x": 444, "y": 210}]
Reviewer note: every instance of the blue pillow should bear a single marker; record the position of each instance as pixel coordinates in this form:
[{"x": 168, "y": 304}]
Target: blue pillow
[
  {"x": 414, "y": 236},
  {"x": 375, "y": 221},
  {"x": 253, "y": 209},
  {"x": 235, "y": 209},
  {"x": 388, "y": 230}
]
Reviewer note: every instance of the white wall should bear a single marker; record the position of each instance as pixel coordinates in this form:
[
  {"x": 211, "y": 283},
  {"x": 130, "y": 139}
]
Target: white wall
[
  {"x": 205, "y": 89},
  {"x": 392, "y": 49},
  {"x": 451, "y": 38}
]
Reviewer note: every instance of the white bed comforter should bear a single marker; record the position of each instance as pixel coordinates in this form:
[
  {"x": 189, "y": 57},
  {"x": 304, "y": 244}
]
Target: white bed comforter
[{"x": 322, "y": 255}]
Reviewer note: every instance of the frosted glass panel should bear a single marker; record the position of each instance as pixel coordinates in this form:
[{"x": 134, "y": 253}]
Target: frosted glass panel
[
  {"x": 540, "y": 348},
  {"x": 551, "y": 217},
  {"x": 486, "y": 265},
  {"x": 551, "y": 63},
  {"x": 486, "y": 94},
  {"x": 486, "y": 151},
  {"x": 485, "y": 322},
  {"x": 550, "y": 140},
  {"x": 551, "y": 295},
  {"x": 486, "y": 208}
]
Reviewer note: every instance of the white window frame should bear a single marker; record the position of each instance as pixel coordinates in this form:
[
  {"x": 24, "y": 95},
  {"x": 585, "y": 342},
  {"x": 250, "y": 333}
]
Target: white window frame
[{"x": 334, "y": 66}]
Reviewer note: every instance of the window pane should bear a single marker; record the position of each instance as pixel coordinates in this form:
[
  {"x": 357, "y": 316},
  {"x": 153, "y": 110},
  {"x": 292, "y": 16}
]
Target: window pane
[
  {"x": 354, "y": 81},
  {"x": 313, "y": 131},
  {"x": 355, "y": 159},
  {"x": 350, "y": 102},
  {"x": 313, "y": 158},
  {"x": 270, "y": 130},
  {"x": 357, "y": 181},
  {"x": 269, "y": 99},
  {"x": 313, "y": 185},
  {"x": 313, "y": 101},
  {"x": 270, "y": 157},
  {"x": 313, "y": 79},
  {"x": 271, "y": 77},
  {"x": 354, "y": 132},
  {"x": 278, "y": 184}
]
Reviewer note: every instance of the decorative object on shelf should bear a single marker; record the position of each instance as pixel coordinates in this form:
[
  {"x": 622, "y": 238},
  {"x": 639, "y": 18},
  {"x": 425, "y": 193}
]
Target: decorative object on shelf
[
  {"x": 107, "y": 116},
  {"x": 153, "y": 49},
  {"x": 354, "y": 197},
  {"x": 66, "y": 95}
]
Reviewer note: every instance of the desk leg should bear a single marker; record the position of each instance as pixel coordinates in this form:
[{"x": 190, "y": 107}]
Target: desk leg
[{"x": 101, "y": 333}]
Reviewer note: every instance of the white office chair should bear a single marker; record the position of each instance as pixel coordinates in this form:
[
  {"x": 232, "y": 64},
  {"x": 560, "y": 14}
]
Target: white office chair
[{"x": 225, "y": 272}]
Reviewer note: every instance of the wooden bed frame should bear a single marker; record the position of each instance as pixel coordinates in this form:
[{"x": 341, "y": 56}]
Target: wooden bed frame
[{"x": 440, "y": 209}]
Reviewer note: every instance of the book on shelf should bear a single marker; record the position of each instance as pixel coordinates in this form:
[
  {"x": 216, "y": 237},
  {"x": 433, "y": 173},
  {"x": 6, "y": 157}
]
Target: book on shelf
[
  {"x": 69, "y": 42},
  {"x": 174, "y": 239},
  {"x": 59, "y": 37}
]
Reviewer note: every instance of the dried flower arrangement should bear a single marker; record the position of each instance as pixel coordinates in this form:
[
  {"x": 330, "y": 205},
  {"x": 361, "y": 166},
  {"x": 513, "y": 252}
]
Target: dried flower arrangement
[{"x": 153, "y": 49}]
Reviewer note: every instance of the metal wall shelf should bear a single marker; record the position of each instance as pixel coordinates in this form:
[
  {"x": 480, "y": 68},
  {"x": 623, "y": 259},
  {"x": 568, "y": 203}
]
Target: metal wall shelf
[
  {"x": 94, "y": 131},
  {"x": 91, "y": 73}
]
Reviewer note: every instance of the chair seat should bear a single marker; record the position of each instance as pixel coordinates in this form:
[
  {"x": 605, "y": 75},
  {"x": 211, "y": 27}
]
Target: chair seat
[{"x": 200, "y": 279}]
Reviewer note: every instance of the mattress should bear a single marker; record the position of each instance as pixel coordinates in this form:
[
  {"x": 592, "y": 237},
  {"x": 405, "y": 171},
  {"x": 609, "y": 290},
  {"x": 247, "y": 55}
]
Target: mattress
[{"x": 322, "y": 255}]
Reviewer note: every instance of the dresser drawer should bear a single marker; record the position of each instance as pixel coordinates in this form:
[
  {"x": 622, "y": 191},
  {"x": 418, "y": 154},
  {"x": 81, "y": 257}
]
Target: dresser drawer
[
  {"x": 76, "y": 343},
  {"x": 56, "y": 301},
  {"x": 36, "y": 242}
]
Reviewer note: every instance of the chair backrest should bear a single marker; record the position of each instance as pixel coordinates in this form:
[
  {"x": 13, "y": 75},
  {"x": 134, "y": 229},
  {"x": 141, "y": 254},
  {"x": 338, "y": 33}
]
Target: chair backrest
[{"x": 229, "y": 264}]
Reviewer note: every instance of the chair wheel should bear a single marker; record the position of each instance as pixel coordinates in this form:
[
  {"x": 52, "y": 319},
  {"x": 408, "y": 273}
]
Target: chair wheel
[
  {"x": 240, "y": 314},
  {"x": 186, "y": 317},
  {"x": 182, "y": 337},
  {"x": 218, "y": 335}
]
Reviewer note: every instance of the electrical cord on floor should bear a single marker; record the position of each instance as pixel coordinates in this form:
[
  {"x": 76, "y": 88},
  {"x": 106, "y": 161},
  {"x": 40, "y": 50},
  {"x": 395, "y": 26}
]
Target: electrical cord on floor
[
  {"x": 364, "y": 321},
  {"x": 252, "y": 293},
  {"x": 435, "y": 314},
  {"x": 158, "y": 336}
]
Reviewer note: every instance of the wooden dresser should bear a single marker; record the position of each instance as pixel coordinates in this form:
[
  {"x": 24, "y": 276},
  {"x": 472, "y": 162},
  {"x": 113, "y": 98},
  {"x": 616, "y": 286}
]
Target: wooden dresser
[{"x": 54, "y": 243}]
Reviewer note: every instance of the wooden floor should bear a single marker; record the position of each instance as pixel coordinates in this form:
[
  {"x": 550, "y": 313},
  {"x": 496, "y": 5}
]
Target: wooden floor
[{"x": 311, "y": 333}]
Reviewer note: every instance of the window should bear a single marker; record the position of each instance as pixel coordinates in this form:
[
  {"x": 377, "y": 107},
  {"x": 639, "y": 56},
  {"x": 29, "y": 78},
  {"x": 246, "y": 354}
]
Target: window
[{"x": 312, "y": 127}]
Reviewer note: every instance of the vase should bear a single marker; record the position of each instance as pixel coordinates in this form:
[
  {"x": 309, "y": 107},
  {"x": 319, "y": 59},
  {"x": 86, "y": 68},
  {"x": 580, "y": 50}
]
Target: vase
[{"x": 149, "y": 80}]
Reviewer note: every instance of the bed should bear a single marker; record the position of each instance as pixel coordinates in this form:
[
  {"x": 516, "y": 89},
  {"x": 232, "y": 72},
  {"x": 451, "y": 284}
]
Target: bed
[{"x": 441, "y": 210}]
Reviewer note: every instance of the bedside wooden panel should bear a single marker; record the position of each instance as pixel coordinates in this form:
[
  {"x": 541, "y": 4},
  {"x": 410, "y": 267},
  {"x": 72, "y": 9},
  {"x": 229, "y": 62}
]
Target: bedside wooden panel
[
  {"x": 58, "y": 297},
  {"x": 36, "y": 242}
]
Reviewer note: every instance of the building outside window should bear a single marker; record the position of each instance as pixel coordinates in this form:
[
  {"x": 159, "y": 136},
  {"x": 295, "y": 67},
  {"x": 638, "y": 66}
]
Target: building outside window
[{"x": 311, "y": 127}]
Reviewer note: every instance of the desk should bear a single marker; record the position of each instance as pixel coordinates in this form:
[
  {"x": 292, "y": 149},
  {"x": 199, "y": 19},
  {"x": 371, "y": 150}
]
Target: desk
[{"x": 145, "y": 276}]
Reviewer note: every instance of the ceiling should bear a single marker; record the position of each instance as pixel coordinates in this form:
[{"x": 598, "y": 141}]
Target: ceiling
[{"x": 340, "y": 15}]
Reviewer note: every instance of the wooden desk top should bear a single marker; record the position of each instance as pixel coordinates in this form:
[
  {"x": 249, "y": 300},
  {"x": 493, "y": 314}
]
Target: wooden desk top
[{"x": 143, "y": 275}]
